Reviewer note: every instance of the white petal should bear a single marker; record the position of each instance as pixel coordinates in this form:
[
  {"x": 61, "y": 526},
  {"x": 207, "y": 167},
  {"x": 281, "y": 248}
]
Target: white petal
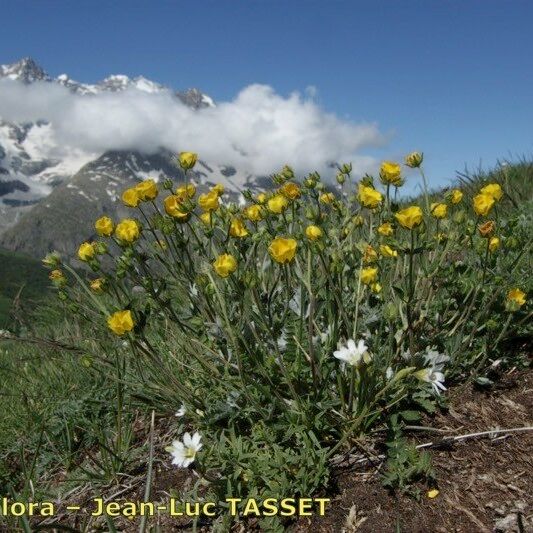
[
  {"x": 362, "y": 347},
  {"x": 196, "y": 438},
  {"x": 187, "y": 440}
]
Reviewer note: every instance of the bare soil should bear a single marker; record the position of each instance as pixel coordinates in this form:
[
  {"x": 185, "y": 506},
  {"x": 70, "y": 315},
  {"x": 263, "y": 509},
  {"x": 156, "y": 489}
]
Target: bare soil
[{"x": 484, "y": 484}]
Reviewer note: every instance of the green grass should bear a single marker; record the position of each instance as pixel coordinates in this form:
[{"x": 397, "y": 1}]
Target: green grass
[{"x": 23, "y": 278}]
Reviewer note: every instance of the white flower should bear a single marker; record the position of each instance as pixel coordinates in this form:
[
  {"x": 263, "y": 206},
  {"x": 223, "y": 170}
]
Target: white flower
[
  {"x": 184, "y": 453},
  {"x": 389, "y": 373},
  {"x": 435, "y": 359},
  {"x": 430, "y": 375},
  {"x": 181, "y": 411},
  {"x": 353, "y": 354}
]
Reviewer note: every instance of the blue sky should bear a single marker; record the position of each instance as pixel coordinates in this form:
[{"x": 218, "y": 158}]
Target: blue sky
[{"x": 451, "y": 78}]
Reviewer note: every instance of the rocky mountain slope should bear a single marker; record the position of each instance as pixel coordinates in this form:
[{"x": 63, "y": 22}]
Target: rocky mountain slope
[
  {"x": 66, "y": 216},
  {"x": 49, "y": 195}
]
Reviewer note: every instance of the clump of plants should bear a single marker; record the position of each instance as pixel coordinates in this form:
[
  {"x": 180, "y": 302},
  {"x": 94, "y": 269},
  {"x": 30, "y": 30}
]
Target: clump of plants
[{"x": 282, "y": 331}]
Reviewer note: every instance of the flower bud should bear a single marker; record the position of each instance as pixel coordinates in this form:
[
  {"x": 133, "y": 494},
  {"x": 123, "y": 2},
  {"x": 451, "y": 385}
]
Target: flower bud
[
  {"x": 414, "y": 159},
  {"x": 287, "y": 172},
  {"x": 358, "y": 221},
  {"x": 470, "y": 227},
  {"x": 367, "y": 180},
  {"x": 346, "y": 168},
  {"x": 100, "y": 247},
  {"x": 487, "y": 228},
  {"x": 341, "y": 178},
  {"x": 52, "y": 260},
  {"x": 233, "y": 208},
  {"x": 168, "y": 184}
]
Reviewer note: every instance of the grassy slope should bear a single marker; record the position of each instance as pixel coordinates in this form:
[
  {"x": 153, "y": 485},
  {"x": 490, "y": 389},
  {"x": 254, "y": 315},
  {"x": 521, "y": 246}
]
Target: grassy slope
[{"x": 19, "y": 274}]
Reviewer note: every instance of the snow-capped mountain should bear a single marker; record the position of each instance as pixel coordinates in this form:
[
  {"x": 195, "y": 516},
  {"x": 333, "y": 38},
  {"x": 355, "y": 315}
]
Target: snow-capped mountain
[
  {"x": 42, "y": 181},
  {"x": 28, "y": 71}
]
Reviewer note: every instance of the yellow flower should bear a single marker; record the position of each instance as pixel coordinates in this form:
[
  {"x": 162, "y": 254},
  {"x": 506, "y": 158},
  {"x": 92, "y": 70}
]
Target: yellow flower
[
  {"x": 130, "y": 197},
  {"x": 56, "y": 275},
  {"x": 494, "y": 244},
  {"x": 209, "y": 201},
  {"x": 86, "y": 251},
  {"x": 261, "y": 197},
  {"x": 104, "y": 226},
  {"x": 313, "y": 233},
  {"x": 121, "y": 322},
  {"x": 146, "y": 190},
  {"x": 187, "y": 160},
  {"x": 283, "y": 250},
  {"x": 369, "y": 275},
  {"x": 492, "y": 189},
  {"x": 97, "y": 285},
  {"x": 375, "y": 287},
  {"x": 369, "y": 197},
  {"x": 175, "y": 208},
  {"x": 387, "y": 251},
  {"x": 185, "y": 192},
  {"x": 456, "y": 196},
  {"x": 219, "y": 189},
  {"x": 390, "y": 173},
  {"x": 253, "y": 213},
  {"x": 277, "y": 204},
  {"x": 487, "y": 228},
  {"x": 409, "y": 217},
  {"x": 290, "y": 190},
  {"x": 327, "y": 198},
  {"x": 206, "y": 218},
  {"x": 414, "y": 159},
  {"x": 386, "y": 229},
  {"x": 127, "y": 230},
  {"x": 237, "y": 228},
  {"x": 369, "y": 255},
  {"x": 433, "y": 493},
  {"x": 483, "y": 204},
  {"x": 517, "y": 297},
  {"x": 225, "y": 265},
  {"x": 439, "y": 210}
]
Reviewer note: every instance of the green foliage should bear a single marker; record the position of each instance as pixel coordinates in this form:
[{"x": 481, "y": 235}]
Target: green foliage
[
  {"x": 405, "y": 464},
  {"x": 22, "y": 275}
]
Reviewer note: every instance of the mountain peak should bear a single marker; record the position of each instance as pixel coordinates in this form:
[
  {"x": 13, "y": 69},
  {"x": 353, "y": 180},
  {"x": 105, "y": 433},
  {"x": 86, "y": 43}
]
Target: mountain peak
[{"x": 25, "y": 70}]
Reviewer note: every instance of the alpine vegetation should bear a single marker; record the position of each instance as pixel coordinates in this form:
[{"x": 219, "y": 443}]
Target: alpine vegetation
[{"x": 282, "y": 331}]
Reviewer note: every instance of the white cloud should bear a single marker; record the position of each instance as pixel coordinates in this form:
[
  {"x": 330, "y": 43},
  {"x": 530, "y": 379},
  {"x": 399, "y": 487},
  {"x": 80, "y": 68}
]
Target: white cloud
[{"x": 259, "y": 131}]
